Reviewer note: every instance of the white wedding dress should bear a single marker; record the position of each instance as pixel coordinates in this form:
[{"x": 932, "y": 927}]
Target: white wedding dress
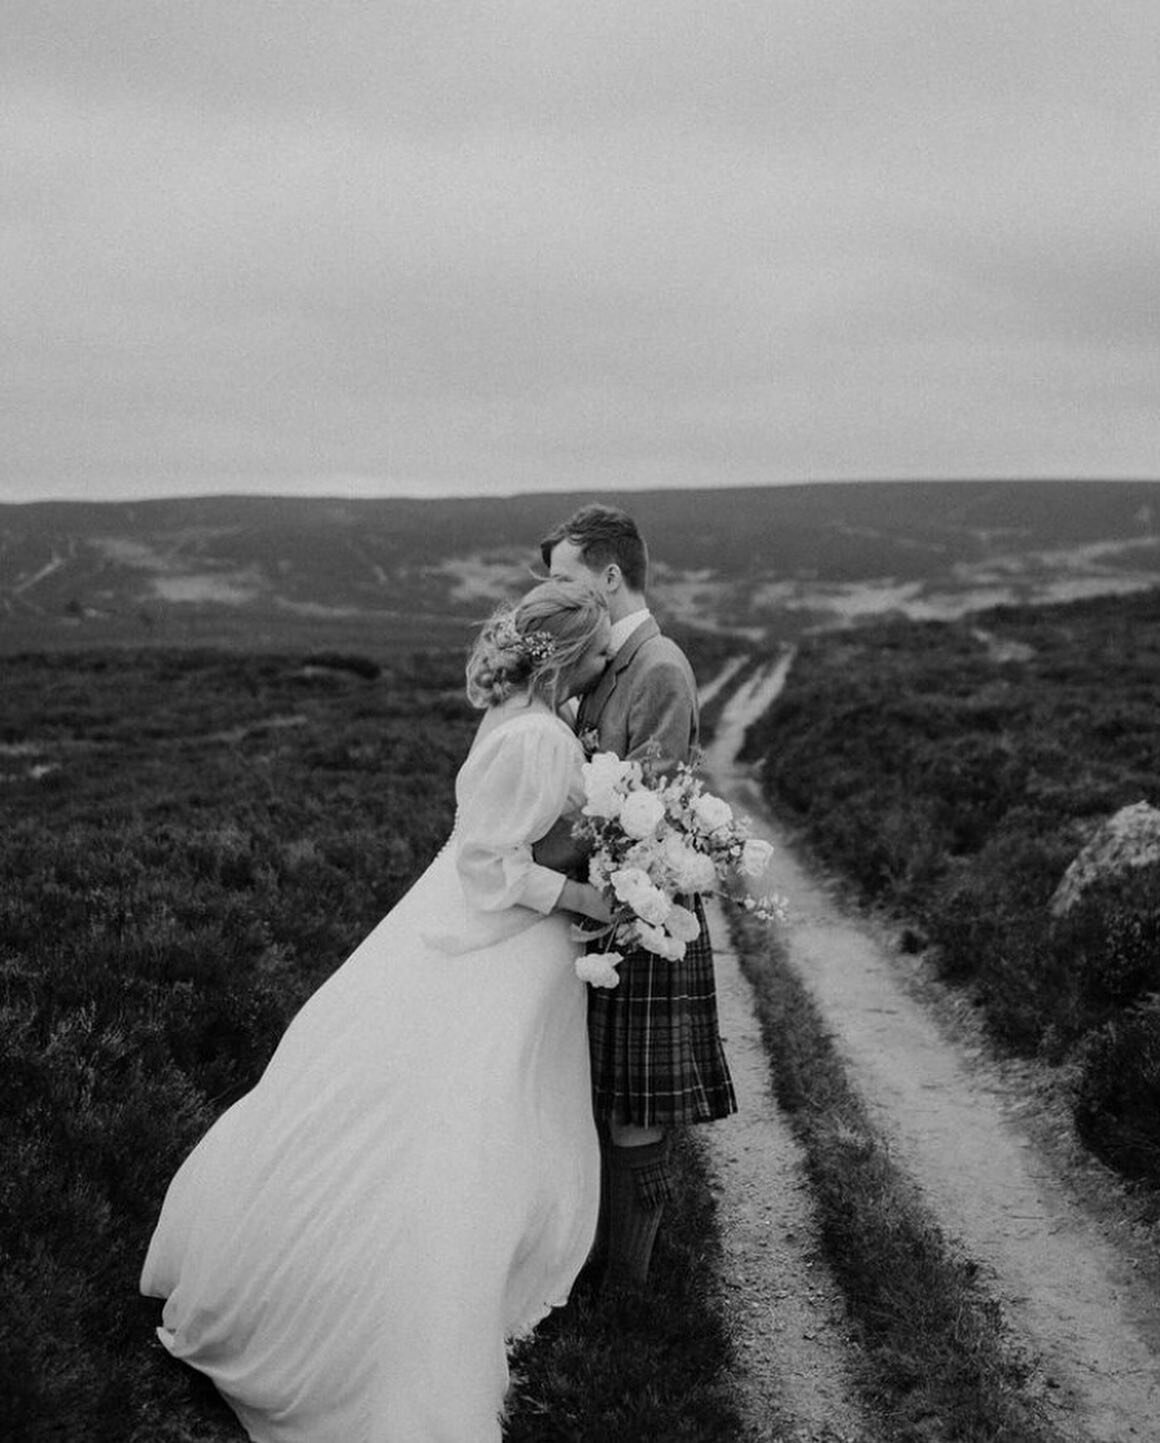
[{"x": 415, "y": 1178}]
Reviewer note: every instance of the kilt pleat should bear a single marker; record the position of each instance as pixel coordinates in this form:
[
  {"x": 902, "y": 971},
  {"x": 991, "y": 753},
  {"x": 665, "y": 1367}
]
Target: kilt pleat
[{"x": 657, "y": 1057}]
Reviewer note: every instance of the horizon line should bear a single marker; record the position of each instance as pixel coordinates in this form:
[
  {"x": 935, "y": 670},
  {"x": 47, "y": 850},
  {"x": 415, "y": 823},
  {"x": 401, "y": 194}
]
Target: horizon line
[{"x": 465, "y": 495}]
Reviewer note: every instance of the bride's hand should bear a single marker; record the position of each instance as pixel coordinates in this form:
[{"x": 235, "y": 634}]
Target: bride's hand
[
  {"x": 585, "y": 899},
  {"x": 598, "y": 909}
]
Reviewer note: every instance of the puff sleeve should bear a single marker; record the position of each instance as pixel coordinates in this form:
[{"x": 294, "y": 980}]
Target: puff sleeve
[{"x": 516, "y": 784}]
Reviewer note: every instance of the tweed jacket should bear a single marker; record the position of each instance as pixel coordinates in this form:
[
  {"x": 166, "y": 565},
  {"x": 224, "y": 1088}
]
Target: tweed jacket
[
  {"x": 645, "y": 704},
  {"x": 645, "y": 700},
  {"x": 654, "y": 1038}
]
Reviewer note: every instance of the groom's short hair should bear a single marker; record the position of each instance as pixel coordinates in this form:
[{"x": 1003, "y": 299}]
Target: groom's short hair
[{"x": 603, "y": 534}]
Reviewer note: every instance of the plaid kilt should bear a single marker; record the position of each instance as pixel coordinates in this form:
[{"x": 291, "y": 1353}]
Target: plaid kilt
[{"x": 657, "y": 1058}]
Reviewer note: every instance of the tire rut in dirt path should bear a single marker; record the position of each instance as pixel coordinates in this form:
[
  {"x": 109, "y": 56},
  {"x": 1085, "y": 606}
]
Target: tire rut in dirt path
[
  {"x": 1066, "y": 1287},
  {"x": 794, "y": 1350}
]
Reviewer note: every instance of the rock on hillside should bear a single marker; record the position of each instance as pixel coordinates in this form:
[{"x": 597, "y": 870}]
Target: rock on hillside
[{"x": 1129, "y": 839}]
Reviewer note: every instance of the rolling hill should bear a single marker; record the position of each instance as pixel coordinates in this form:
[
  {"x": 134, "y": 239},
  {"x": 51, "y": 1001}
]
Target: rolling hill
[{"x": 765, "y": 563}]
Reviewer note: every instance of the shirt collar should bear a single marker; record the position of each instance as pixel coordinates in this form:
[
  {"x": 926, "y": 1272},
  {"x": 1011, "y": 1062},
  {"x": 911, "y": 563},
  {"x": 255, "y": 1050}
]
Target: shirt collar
[{"x": 623, "y": 629}]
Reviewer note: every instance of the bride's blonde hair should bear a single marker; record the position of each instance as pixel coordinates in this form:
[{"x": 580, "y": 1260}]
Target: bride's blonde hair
[{"x": 534, "y": 644}]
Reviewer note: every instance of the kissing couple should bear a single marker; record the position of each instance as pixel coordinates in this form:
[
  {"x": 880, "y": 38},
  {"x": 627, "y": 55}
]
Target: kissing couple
[{"x": 422, "y": 1170}]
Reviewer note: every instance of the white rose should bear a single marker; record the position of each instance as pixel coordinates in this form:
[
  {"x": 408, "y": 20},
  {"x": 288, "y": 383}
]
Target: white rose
[
  {"x": 606, "y": 779},
  {"x": 598, "y": 969},
  {"x": 712, "y": 812},
  {"x": 641, "y": 814},
  {"x": 652, "y": 906},
  {"x": 682, "y": 925},
  {"x": 755, "y": 857},
  {"x": 658, "y": 941},
  {"x": 702, "y": 874},
  {"x": 644, "y": 854},
  {"x": 691, "y": 870},
  {"x": 633, "y": 887},
  {"x": 602, "y": 776},
  {"x": 602, "y": 802},
  {"x": 628, "y": 883}
]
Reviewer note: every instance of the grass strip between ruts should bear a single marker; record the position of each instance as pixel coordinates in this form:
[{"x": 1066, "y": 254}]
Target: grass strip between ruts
[{"x": 938, "y": 1363}]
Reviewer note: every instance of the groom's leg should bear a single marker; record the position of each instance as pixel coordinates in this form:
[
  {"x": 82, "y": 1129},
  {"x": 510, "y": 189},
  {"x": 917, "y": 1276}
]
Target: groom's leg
[{"x": 639, "y": 1185}]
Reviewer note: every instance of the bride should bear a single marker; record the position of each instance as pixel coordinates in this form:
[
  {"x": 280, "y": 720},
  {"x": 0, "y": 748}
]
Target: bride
[{"x": 415, "y": 1177}]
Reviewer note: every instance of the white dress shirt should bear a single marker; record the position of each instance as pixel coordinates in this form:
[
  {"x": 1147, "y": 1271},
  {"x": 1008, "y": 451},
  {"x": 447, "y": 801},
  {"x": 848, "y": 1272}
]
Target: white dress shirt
[{"x": 623, "y": 629}]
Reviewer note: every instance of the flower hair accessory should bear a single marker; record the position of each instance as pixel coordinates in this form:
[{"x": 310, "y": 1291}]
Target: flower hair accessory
[{"x": 536, "y": 646}]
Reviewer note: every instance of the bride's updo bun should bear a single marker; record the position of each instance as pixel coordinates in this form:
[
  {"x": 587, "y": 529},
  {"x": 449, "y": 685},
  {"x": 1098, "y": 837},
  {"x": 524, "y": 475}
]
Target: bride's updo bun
[{"x": 533, "y": 645}]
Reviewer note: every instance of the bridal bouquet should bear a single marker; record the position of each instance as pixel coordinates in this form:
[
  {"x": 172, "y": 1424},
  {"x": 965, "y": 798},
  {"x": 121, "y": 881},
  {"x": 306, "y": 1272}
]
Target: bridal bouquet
[{"x": 655, "y": 839}]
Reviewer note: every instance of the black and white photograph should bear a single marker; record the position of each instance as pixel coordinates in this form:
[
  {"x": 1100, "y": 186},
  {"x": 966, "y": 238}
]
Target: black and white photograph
[{"x": 579, "y": 744}]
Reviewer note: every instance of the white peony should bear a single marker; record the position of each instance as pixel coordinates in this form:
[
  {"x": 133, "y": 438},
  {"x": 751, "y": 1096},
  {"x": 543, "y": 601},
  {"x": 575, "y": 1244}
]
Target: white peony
[
  {"x": 598, "y": 969},
  {"x": 755, "y": 857},
  {"x": 712, "y": 812},
  {"x": 641, "y": 813}
]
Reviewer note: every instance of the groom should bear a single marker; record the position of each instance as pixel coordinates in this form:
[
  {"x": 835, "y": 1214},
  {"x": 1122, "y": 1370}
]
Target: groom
[{"x": 657, "y": 1059}]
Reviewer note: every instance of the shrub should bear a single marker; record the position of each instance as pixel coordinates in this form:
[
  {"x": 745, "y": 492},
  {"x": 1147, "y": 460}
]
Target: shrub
[
  {"x": 1117, "y": 1094},
  {"x": 163, "y": 912},
  {"x": 974, "y": 781},
  {"x": 340, "y": 661},
  {"x": 956, "y": 788}
]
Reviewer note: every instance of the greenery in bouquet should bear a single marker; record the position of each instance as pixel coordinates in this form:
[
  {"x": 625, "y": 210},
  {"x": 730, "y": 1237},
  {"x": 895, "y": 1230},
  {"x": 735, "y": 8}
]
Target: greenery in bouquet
[{"x": 656, "y": 841}]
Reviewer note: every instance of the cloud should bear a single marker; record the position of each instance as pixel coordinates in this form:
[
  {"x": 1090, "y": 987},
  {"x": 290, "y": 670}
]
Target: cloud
[{"x": 452, "y": 247}]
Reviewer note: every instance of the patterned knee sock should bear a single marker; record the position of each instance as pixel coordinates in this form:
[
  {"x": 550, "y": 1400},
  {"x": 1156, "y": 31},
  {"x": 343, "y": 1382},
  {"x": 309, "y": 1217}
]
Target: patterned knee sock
[{"x": 639, "y": 1185}]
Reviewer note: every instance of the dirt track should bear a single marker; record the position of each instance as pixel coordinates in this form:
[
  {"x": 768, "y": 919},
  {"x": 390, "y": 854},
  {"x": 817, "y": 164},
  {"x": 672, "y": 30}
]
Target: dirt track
[
  {"x": 991, "y": 1159},
  {"x": 795, "y": 1352}
]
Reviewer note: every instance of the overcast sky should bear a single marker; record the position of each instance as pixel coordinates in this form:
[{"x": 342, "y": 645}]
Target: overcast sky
[{"x": 434, "y": 246}]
